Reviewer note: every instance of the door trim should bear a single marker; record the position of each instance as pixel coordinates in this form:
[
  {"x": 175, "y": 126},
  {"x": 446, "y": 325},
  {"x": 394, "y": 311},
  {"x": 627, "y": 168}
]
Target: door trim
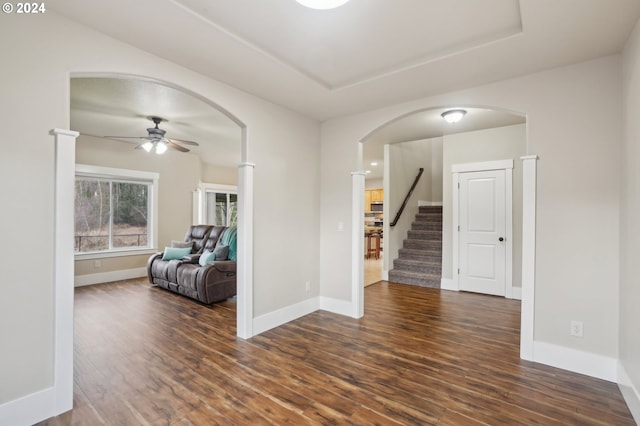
[{"x": 457, "y": 169}]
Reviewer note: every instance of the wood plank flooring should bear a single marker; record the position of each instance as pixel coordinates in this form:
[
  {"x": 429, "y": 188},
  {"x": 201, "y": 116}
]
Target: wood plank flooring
[{"x": 420, "y": 356}]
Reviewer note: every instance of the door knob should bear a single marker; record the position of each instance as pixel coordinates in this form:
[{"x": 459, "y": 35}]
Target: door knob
[{"x": 501, "y": 239}]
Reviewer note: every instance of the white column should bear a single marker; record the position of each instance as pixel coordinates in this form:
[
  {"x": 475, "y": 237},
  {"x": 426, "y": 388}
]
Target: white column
[
  {"x": 529, "y": 164},
  {"x": 245, "y": 251},
  {"x": 357, "y": 244},
  {"x": 65, "y": 159}
]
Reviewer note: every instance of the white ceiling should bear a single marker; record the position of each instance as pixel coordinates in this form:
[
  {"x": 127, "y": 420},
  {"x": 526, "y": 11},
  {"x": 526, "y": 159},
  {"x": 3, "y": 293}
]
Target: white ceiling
[
  {"x": 327, "y": 63},
  {"x": 122, "y": 107},
  {"x": 426, "y": 125},
  {"x": 367, "y": 53}
]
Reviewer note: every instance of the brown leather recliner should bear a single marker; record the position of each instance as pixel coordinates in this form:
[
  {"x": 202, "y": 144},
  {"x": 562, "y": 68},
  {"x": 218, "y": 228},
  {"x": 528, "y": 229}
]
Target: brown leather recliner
[{"x": 213, "y": 282}]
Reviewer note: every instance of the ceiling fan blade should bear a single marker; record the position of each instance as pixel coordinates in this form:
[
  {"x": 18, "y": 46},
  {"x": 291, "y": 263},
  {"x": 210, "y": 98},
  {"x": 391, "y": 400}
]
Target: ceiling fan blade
[
  {"x": 125, "y": 137},
  {"x": 183, "y": 141},
  {"x": 177, "y": 147}
]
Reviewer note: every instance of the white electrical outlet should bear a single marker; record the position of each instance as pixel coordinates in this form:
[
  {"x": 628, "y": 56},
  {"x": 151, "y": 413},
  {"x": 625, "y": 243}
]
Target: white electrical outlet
[
  {"x": 307, "y": 286},
  {"x": 96, "y": 264},
  {"x": 576, "y": 328}
]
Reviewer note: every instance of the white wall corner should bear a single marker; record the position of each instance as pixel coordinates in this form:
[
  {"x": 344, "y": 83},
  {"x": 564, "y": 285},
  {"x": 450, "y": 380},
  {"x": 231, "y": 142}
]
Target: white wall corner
[
  {"x": 516, "y": 293},
  {"x": 587, "y": 363},
  {"x": 340, "y": 307},
  {"x": 284, "y": 315},
  {"x": 629, "y": 392},
  {"x": 29, "y": 409},
  {"x": 357, "y": 242},
  {"x": 449, "y": 284},
  {"x": 244, "y": 314}
]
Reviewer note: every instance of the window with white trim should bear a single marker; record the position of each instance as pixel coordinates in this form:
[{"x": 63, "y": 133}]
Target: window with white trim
[
  {"x": 218, "y": 204},
  {"x": 114, "y": 210}
]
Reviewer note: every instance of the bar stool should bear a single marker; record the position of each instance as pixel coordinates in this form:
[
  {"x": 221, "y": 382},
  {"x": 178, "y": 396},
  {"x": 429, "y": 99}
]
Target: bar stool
[{"x": 373, "y": 246}]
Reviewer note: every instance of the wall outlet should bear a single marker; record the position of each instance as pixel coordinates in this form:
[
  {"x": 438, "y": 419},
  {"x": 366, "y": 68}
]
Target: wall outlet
[
  {"x": 576, "y": 328},
  {"x": 96, "y": 264},
  {"x": 307, "y": 286}
]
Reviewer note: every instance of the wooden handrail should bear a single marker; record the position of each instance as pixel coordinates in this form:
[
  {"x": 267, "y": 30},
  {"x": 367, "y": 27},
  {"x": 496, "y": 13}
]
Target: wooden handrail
[{"x": 406, "y": 199}]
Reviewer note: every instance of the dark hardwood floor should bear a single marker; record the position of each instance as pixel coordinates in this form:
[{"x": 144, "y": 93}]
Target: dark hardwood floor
[{"x": 144, "y": 356}]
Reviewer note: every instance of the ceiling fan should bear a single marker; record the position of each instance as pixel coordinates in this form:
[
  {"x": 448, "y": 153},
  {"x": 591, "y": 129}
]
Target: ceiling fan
[{"x": 156, "y": 140}]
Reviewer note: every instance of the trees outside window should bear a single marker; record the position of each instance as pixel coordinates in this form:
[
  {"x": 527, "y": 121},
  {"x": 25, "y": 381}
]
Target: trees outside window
[{"x": 112, "y": 214}]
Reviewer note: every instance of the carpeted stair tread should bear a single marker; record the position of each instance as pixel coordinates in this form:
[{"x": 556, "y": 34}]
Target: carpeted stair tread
[
  {"x": 417, "y": 254},
  {"x": 415, "y": 278},
  {"x": 422, "y": 244},
  {"x": 420, "y": 258},
  {"x": 422, "y": 234},
  {"x": 424, "y": 266}
]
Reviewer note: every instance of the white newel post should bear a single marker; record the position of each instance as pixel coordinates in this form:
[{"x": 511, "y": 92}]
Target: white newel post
[
  {"x": 357, "y": 262},
  {"x": 245, "y": 251},
  {"x": 529, "y": 165},
  {"x": 65, "y": 159}
]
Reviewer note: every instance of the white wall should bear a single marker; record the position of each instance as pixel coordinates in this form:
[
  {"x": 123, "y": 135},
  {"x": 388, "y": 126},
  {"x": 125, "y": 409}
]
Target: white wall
[
  {"x": 629, "y": 224},
  {"x": 574, "y": 126},
  {"x": 405, "y": 160},
  {"x": 502, "y": 143},
  {"x": 39, "y": 55},
  {"x": 218, "y": 174}
]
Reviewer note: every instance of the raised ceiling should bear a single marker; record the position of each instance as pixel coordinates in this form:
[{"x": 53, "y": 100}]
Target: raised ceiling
[
  {"x": 367, "y": 53},
  {"x": 121, "y": 107},
  {"x": 426, "y": 125}
]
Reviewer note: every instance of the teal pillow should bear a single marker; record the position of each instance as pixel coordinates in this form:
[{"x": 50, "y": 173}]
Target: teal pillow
[
  {"x": 230, "y": 238},
  {"x": 171, "y": 253},
  {"x": 206, "y": 257}
]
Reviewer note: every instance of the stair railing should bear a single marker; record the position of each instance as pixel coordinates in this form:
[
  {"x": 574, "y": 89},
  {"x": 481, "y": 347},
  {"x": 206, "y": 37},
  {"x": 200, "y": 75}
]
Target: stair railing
[{"x": 406, "y": 199}]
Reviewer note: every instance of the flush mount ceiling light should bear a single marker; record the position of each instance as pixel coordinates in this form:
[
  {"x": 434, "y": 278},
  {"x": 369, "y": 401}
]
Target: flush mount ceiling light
[
  {"x": 322, "y": 4},
  {"x": 453, "y": 115}
]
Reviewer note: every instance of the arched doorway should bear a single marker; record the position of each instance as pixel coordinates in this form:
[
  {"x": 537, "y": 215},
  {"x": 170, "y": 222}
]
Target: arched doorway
[
  {"x": 427, "y": 124},
  {"x": 64, "y": 254}
]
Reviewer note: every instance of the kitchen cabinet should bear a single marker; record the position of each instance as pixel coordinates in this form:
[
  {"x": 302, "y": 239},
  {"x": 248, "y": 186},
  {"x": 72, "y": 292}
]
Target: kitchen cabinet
[
  {"x": 372, "y": 195},
  {"x": 376, "y": 194},
  {"x": 367, "y": 201}
]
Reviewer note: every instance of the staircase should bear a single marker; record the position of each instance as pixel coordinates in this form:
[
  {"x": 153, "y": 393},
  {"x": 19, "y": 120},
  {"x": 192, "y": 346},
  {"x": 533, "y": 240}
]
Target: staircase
[{"x": 420, "y": 259}]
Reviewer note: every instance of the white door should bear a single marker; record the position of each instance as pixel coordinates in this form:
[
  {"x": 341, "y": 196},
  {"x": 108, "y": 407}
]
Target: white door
[{"x": 482, "y": 232}]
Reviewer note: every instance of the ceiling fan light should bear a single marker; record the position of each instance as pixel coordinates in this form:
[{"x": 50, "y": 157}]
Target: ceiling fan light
[
  {"x": 322, "y": 4},
  {"x": 453, "y": 115},
  {"x": 161, "y": 148},
  {"x": 147, "y": 146}
]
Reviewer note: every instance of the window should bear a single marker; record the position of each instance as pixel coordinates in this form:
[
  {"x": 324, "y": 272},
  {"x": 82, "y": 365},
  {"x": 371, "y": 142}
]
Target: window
[
  {"x": 114, "y": 210},
  {"x": 218, "y": 205}
]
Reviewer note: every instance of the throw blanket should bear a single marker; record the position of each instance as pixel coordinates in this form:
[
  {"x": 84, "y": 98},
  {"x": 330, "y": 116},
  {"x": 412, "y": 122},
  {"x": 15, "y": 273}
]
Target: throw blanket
[{"x": 230, "y": 238}]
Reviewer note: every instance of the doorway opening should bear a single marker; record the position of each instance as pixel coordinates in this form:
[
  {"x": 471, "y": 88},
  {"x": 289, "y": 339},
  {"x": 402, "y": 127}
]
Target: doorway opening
[
  {"x": 64, "y": 277},
  {"x": 466, "y": 142}
]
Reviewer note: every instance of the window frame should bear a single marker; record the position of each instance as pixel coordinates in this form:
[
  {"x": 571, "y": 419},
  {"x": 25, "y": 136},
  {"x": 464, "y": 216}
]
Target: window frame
[
  {"x": 128, "y": 176},
  {"x": 205, "y": 188}
]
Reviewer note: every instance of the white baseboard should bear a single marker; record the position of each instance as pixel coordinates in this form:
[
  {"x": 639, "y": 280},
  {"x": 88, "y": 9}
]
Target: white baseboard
[
  {"x": 629, "y": 392},
  {"x": 29, "y": 409},
  {"x": 385, "y": 275},
  {"x": 282, "y": 316},
  {"x": 340, "y": 307},
  {"x": 422, "y": 203},
  {"x": 107, "y": 277},
  {"x": 449, "y": 284},
  {"x": 516, "y": 293},
  {"x": 590, "y": 364}
]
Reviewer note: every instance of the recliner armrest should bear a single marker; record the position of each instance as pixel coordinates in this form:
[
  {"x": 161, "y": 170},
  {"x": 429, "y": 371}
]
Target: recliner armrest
[
  {"x": 222, "y": 265},
  {"x": 191, "y": 258}
]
